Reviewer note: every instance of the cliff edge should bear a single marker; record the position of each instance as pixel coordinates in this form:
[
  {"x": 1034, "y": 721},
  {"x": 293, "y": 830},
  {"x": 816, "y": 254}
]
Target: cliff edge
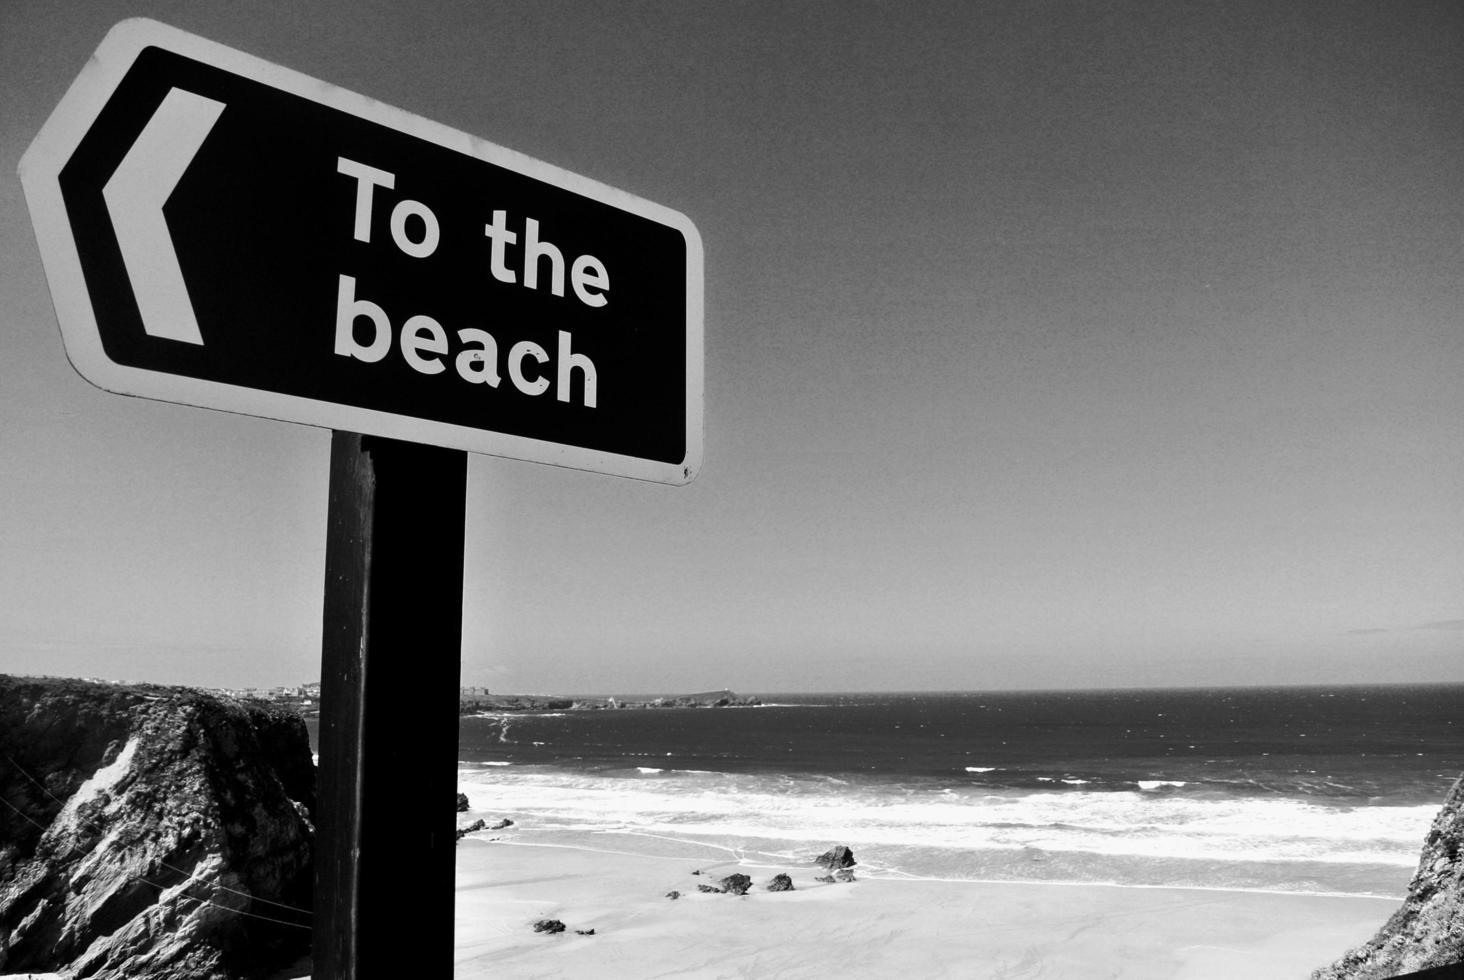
[
  {"x": 1427, "y": 931},
  {"x": 151, "y": 832}
]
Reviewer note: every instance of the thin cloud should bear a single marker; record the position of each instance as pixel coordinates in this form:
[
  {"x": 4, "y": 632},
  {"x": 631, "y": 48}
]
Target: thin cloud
[
  {"x": 1365, "y": 632},
  {"x": 1443, "y": 624}
]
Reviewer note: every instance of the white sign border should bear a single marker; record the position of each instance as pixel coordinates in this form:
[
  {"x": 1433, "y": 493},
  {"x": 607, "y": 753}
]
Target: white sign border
[{"x": 74, "y": 116}]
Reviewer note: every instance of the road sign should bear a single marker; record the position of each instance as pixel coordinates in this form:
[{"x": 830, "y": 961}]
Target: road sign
[{"x": 223, "y": 232}]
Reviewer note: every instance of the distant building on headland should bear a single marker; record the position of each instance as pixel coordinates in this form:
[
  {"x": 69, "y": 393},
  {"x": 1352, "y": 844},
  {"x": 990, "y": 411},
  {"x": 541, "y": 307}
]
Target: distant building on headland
[{"x": 304, "y": 697}]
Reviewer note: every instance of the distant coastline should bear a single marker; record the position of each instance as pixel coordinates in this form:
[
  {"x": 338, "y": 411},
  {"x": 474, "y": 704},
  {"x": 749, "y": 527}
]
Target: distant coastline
[
  {"x": 306, "y": 698},
  {"x": 478, "y": 704}
]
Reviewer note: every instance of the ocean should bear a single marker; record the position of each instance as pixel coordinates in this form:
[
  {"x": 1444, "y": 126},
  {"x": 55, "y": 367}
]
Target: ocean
[{"x": 1320, "y": 789}]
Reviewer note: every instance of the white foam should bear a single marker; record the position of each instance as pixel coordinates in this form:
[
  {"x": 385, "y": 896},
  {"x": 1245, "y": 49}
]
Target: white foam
[
  {"x": 1139, "y": 824},
  {"x": 1153, "y": 784},
  {"x": 981, "y": 769}
]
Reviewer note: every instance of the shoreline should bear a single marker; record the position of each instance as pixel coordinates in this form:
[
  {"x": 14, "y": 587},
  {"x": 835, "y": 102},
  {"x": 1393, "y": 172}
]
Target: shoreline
[
  {"x": 776, "y": 866},
  {"x": 875, "y": 926}
]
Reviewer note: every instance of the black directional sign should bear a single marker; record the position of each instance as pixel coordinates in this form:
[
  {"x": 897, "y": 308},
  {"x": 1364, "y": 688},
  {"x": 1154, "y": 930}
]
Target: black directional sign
[{"x": 222, "y": 232}]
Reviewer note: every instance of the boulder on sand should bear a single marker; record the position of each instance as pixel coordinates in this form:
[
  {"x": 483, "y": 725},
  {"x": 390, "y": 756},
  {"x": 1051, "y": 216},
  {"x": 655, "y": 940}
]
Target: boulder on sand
[
  {"x": 471, "y": 828},
  {"x": 836, "y": 858},
  {"x": 736, "y": 884}
]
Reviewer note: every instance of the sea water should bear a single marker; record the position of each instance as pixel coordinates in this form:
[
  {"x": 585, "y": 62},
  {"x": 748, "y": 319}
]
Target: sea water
[{"x": 1326, "y": 790}]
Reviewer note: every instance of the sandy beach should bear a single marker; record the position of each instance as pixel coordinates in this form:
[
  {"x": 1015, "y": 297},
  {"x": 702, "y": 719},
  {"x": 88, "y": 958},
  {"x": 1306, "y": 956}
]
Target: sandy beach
[{"x": 872, "y": 927}]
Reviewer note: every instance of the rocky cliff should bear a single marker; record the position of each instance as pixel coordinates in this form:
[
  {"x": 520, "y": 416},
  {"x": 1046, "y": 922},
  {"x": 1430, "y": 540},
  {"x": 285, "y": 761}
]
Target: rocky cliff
[
  {"x": 151, "y": 832},
  {"x": 1427, "y": 931}
]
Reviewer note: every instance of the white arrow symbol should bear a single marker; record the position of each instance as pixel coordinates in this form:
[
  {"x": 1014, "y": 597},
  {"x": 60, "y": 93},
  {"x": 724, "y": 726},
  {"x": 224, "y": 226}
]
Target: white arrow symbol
[{"x": 135, "y": 196}]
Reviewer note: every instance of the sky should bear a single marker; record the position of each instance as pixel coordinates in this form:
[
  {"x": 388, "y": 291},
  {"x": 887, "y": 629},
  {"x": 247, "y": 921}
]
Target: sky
[{"x": 1048, "y": 345}]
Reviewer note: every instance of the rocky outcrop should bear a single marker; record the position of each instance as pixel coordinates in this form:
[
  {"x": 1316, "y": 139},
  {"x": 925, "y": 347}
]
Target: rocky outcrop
[
  {"x": 836, "y": 858},
  {"x": 736, "y": 884},
  {"x": 1427, "y": 931},
  {"x": 471, "y": 828},
  {"x": 707, "y": 699},
  {"x": 476, "y": 826},
  {"x": 151, "y": 832},
  {"x": 780, "y": 883}
]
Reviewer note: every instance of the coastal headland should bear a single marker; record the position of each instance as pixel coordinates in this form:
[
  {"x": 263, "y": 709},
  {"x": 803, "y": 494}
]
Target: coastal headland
[
  {"x": 152, "y": 831},
  {"x": 472, "y": 703}
]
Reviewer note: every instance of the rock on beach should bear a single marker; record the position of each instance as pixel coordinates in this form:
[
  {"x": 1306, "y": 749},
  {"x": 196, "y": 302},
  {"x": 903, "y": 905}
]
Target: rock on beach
[
  {"x": 736, "y": 884},
  {"x": 836, "y": 857}
]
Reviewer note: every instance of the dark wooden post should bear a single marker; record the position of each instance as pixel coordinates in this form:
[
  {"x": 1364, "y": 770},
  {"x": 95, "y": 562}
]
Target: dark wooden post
[{"x": 390, "y": 666}]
